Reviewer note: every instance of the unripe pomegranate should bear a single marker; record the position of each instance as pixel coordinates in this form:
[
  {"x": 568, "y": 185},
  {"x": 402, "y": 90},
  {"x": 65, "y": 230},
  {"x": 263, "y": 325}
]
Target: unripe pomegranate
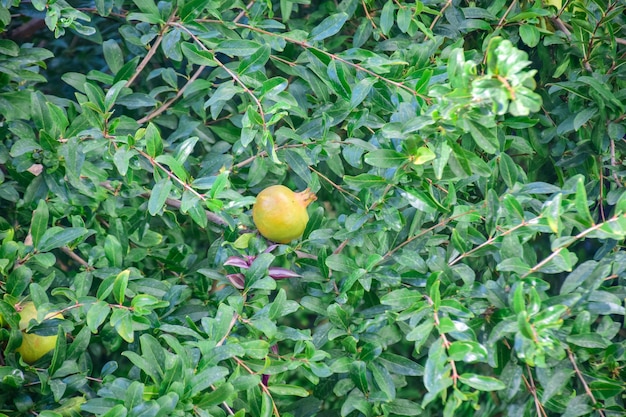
[
  {"x": 33, "y": 345},
  {"x": 280, "y": 214}
]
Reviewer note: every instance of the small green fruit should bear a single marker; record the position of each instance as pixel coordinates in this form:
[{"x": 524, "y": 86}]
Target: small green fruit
[
  {"x": 280, "y": 214},
  {"x": 33, "y": 345}
]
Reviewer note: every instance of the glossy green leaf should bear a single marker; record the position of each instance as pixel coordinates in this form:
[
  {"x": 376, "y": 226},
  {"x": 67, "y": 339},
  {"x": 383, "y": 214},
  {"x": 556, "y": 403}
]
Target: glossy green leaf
[
  {"x": 160, "y": 193},
  {"x": 286, "y": 389},
  {"x": 119, "y": 286},
  {"x": 481, "y": 383},
  {"x": 237, "y": 47},
  {"x": 56, "y": 237},
  {"x": 97, "y": 314},
  {"x": 40, "y": 222},
  {"x": 154, "y": 144},
  {"x": 329, "y": 26}
]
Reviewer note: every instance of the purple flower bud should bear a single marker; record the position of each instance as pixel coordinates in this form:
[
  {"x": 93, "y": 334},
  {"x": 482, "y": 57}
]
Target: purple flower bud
[
  {"x": 238, "y": 280},
  {"x": 270, "y": 248},
  {"x": 238, "y": 262},
  {"x": 282, "y": 273}
]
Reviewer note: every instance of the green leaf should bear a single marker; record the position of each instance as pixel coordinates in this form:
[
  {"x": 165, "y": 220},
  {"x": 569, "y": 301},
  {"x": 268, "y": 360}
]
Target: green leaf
[
  {"x": 589, "y": 340},
  {"x": 420, "y": 200},
  {"x": 519, "y": 302},
  {"x": 387, "y": 17},
  {"x": 257, "y": 349},
  {"x": 117, "y": 411},
  {"x": 435, "y": 294},
  {"x": 402, "y": 407},
  {"x": 467, "y": 351},
  {"x": 122, "y": 321},
  {"x": 341, "y": 263},
  {"x": 255, "y": 60},
  {"x": 423, "y": 155},
  {"x": 385, "y": 158},
  {"x": 605, "y": 389},
  {"x": 18, "y": 280},
  {"x": 364, "y": 181},
  {"x": 154, "y": 144},
  {"x": 338, "y": 316},
  {"x": 517, "y": 265},
  {"x": 508, "y": 170},
  {"x": 401, "y": 299},
  {"x": 583, "y": 117},
  {"x": 237, "y": 47},
  {"x": 198, "y": 56},
  {"x": 530, "y": 34},
  {"x": 329, "y": 26},
  {"x": 147, "y": 6},
  {"x": 177, "y": 168},
  {"x": 160, "y": 193},
  {"x": 559, "y": 379},
  {"x": 113, "y": 93},
  {"x": 207, "y": 377},
  {"x": 56, "y": 237},
  {"x": 405, "y": 15},
  {"x": 483, "y": 136},
  {"x": 113, "y": 55},
  {"x": 361, "y": 90},
  {"x": 400, "y": 365},
  {"x": 119, "y": 286},
  {"x": 39, "y": 222},
  {"x": 8, "y": 47},
  {"x": 582, "y": 205},
  {"x": 358, "y": 375},
  {"x": 286, "y": 389},
  {"x": 482, "y": 383},
  {"x": 97, "y": 314},
  {"x": 113, "y": 251}
]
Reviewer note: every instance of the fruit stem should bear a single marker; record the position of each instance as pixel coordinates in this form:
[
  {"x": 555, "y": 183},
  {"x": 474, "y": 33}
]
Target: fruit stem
[{"x": 306, "y": 197}]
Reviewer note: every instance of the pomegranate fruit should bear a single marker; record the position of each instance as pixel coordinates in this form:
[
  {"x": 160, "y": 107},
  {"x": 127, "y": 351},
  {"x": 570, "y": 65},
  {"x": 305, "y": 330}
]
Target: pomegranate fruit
[
  {"x": 280, "y": 214},
  {"x": 33, "y": 345}
]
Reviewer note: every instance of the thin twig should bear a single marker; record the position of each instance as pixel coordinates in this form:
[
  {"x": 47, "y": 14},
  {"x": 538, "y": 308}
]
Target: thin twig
[
  {"x": 234, "y": 76},
  {"x": 306, "y": 45},
  {"x": 533, "y": 390},
  {"x": 152, "y": 50},
  {"x": 74, "y": 256},
  {"x": 263, "y": 387},
  {"x": 336, "y": 186},
  {"x": 572, "y": 359},
  {"x": 212, "y": 217},
  {"x": 571, "y": 242},
  {"x": 371, "y": 20},
  {"x": 422, "y": 233},
  {"x": 492, "y": 239},
  {"x": 436, "y": 19},
  {"x": 171, "y": 101},
  {"x": 170, "y": 174},
  {"x": 243, "y": 12},
  {"x": 503, "y": 19},
  {"x": 614, "y": 162}
]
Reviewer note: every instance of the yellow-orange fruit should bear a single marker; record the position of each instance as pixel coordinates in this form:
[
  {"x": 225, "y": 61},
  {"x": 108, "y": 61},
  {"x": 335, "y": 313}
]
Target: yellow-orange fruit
[
  {"x": 33, "y": 345},
  {"x": 280, "y": 214}
]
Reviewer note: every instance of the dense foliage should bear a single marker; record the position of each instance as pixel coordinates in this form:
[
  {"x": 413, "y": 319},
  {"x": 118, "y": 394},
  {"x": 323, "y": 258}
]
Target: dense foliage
[{"x": 465, "y": 255}]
